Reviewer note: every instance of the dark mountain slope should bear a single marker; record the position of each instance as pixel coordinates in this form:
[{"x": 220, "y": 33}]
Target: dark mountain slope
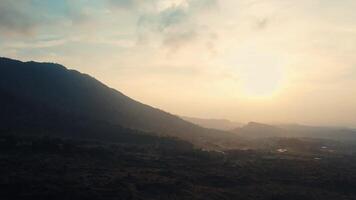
[
  {"x": 49, "y": 94},
  {"x": 23, "y": 118}
]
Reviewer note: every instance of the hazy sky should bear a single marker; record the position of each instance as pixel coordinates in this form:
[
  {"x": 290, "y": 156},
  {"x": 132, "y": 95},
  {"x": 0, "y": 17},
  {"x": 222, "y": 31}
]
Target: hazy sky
[{"x": 244, "y": 60}]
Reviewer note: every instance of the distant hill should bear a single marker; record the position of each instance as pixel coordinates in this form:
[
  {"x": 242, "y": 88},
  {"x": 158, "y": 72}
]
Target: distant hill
[
  {"x": 254, "y": 130},
  {"x": 335, "y": 133},
  {"x": 259, "y": 130},
  {"x": 52, "y": 98},
  {"x": 220, "y": 124}
]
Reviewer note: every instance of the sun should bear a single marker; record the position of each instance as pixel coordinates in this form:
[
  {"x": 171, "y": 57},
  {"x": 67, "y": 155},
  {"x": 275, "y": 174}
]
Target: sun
[
  {"x": 261, "y": 77},
  {"x": 262, "y": 81}
]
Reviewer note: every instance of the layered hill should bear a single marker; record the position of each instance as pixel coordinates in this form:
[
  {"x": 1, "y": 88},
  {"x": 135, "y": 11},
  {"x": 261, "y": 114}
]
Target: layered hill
[
  {"x": 220, "y": 124},
  {"x": 255, "y": 130}
]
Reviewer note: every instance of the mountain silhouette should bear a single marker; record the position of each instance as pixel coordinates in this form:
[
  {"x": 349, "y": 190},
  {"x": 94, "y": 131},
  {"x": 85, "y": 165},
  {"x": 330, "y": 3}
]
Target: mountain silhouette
[
  {"x": 259, "y": 130},
  {"x": 220, "y": 124},
  {"x": 52, "y": 98}
]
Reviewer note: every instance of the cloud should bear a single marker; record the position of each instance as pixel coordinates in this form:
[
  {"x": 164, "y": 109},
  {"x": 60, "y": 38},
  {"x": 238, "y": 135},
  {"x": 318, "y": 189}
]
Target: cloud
[
  {"x": 262, "y": 24},
  {"x": 136, "y": 6},
  {"x": 169, "y": 21},
  {"x": 27, "y": 17},
  {"x": 123, "y": 3},
  {"x": 41, "y": 44},
  {"x": 173, "y": 12},
  {"x": 176, "y": 39},
  {"x": 16, "y": 17},
  {"x": 171, "y": 16},
  {"x": 174, "y": 22}
]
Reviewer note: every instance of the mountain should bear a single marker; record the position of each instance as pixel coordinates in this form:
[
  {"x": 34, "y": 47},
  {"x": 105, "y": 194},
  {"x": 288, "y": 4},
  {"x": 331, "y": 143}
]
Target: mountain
[
  {"x": 48, "y": 97},
  {"x": 334, "y": 133},
  {"x": 254, "y": 130},
  {"x": 259, "y": 130},
  {"x": 220, "y": 124}
]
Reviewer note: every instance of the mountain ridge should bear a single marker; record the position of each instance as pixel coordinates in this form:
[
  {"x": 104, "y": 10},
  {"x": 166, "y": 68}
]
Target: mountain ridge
[
  {"x": 256, "y": 130},
  {"x": 220, "y": 124},
  {"x": 79, "y": 95}
]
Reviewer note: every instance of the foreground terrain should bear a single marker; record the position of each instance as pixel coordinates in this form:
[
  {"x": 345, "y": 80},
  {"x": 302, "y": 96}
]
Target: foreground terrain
[{"x": 52, "y": 168}]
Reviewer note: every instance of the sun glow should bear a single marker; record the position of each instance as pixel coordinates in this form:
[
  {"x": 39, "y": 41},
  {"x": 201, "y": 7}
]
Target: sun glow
[
  {"x": 262, "y": 82},
  {"x": 261, "y": 76}
]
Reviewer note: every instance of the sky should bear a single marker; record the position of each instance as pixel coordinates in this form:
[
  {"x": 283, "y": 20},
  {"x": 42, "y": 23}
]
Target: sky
[{"x": 272, "y": 61}]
